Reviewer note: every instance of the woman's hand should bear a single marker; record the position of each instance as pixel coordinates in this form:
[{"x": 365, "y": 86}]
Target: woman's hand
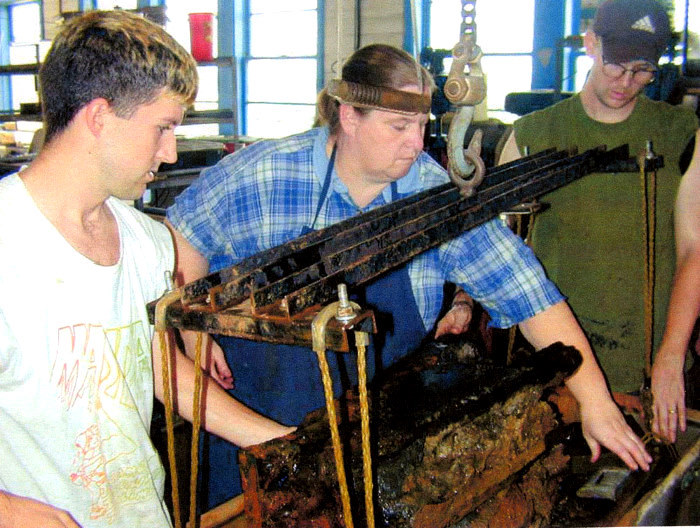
[
  {"x": 218, "y": 367},
  {"x": 457, "y": 319},
  {"x": 604, "y": 424},
  {"x": 213, "y": 360}
]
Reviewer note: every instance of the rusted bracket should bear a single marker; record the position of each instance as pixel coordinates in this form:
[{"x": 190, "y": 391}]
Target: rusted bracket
[
  {"x": 240, "y": 322},
  {"x": 343, "y": 311}
]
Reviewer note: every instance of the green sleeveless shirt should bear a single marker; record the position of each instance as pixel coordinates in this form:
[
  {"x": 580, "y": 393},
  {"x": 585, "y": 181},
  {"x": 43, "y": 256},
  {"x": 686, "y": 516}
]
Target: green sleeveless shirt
[{"x": 591, "y": 239}]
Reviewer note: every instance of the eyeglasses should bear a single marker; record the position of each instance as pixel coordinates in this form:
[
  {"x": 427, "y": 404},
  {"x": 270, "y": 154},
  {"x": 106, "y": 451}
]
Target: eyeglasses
[{"x": 643, "y": 74}]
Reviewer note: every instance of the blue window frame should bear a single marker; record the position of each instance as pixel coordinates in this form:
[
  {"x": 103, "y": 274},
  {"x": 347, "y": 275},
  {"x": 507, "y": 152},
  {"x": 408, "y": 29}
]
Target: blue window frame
[
  {"x": 212, "y": 94},
  {"x": 280, "y": 66},
  {"x": 5, "y": 85},
  {"x": 20, "y": 36}
]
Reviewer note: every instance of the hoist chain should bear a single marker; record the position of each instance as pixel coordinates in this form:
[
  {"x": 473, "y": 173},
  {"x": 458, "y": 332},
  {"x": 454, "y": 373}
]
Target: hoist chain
[
  {"x": 468, "y": 26},
  {"x": 466, "y": 87}
]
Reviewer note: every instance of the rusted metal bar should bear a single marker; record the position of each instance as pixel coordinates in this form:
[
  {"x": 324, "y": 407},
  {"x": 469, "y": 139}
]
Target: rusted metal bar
[
  {"x": 231, "y": 286},
  {"x": 362, "y": 262},
  {"x": 270, "y": 328}
]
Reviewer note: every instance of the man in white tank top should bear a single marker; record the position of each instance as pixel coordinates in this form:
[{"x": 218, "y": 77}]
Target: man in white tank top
[{"x": 78, "y": 266}]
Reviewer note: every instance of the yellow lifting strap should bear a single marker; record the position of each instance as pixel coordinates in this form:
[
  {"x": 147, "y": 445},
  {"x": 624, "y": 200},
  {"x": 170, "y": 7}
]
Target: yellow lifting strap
[
  {"x": 318, "y": 335},
  {"x": 648, "y": 182},
  {"x": 166, "y": 365},
  {"x": 318, "y": 328}
]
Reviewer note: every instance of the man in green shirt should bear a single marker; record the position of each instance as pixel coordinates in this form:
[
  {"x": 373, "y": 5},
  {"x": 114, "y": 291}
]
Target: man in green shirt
[{"x": 591, "y": 237}]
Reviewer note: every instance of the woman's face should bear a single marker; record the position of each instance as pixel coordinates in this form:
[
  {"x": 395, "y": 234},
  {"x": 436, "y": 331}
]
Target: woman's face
[{"x": 387, "y": 143}]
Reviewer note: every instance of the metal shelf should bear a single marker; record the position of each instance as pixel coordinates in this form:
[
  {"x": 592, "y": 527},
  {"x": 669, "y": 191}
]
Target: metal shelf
[
  {"x": 14, "y": 116},
  {"x": 19, "y": 69},
  {"x": 220, "y": 62},
  {"x": 199, "y": 117},
  {"x": 227, "y": 115}
]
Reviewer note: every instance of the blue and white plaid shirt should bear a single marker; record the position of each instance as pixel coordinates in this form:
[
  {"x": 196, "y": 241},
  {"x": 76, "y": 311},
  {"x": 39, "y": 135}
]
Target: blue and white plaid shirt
[{"x": 265, "y": 194}]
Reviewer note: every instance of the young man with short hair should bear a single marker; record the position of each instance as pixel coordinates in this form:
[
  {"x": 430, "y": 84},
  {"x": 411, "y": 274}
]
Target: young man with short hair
[{"x": 78, "y": 268}]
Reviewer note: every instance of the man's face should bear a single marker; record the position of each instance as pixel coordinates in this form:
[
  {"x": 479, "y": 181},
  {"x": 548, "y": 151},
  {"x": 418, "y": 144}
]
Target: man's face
[
  {"x": 136, "y": 146},
  {"x": 390, "y": 142},
  {"x": 617, "y": 85}
]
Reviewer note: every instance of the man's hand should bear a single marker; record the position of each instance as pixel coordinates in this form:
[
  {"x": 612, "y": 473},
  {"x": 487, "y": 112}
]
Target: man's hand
[
  {"x": 21, "y": 512},
  {"x": 668, "y": 388}
]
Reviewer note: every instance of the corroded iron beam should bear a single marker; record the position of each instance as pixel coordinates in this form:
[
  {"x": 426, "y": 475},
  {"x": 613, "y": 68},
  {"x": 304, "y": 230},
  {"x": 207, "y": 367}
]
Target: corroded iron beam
[
  {"x": 241, "y": 323},
  {"x": 230, "y": 286},
  {"x": 406, "y": 236}
]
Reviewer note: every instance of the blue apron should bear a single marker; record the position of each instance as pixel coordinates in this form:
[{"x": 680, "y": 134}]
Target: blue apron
[{"x": 283, "y": 382}]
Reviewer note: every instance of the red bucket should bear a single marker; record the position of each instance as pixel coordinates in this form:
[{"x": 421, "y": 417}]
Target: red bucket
[{"x": 201, "y": 33}]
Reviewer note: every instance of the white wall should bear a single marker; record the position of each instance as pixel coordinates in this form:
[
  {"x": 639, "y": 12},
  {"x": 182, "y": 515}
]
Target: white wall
[{"x": 381, "y": 21}]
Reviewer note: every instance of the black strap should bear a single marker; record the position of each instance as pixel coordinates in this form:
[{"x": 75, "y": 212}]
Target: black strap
[{"x": 326, "y": 185}]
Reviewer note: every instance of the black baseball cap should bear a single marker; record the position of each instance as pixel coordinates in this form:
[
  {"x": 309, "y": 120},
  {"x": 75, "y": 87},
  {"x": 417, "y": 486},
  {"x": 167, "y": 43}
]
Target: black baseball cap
[{"x": 632, "y": 30}]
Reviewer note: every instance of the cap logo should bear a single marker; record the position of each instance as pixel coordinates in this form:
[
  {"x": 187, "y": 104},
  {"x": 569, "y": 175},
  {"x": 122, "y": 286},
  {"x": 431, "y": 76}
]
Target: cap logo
[{"x": 644, "y": 24}]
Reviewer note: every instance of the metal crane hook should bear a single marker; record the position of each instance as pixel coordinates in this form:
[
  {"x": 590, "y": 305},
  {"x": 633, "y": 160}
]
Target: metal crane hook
[{"x": 466, "y": 90}]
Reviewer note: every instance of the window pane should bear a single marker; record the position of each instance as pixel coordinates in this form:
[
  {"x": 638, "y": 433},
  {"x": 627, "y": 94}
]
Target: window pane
[
  {"x": 583, "y": 65},
  {"x": 297, "y": 34},
  {"x": 24, "y": 87},
  {"x": 111, "y": 4},
  {"x": 271, "y": 82},
  {"x": 445, "y": 21},
  {"x": 26, "y": 23},
  {"x": 208, "y": 83},
  {"x": 271, "y": 120},
  {"x": 197, "y": 131},
  {"x": 283, "y": 80},
  {"x": 505, "y": 26},
  {"x": 24, "y": 49},
  {"x": 505, "y": 75},
  {"x": 23, "y": 53},
  {"x": 276, "y": 6},
  {"x": 495, "y": 33},
  {"x": 24, "y": 90}
]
